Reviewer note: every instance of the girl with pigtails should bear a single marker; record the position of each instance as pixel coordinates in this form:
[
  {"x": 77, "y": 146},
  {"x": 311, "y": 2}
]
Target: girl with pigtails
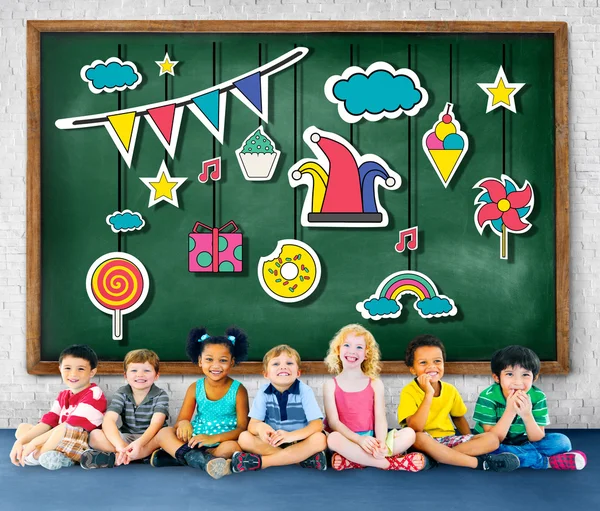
[{"x": 215, "y": 408}]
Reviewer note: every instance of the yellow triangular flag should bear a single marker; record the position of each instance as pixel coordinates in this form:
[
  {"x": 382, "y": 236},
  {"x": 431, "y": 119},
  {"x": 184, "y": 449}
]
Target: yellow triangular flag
[{"x": 123, "y": 126}]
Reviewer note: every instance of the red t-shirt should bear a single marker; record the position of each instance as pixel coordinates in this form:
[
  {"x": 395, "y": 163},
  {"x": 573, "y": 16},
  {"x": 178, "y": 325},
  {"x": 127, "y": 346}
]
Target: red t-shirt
[{"x": 82, "y": 410}]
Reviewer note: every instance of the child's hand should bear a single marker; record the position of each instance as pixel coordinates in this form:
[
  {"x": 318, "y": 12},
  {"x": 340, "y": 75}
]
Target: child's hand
[
  {"x": 27, "y": 450},
  {"x": 511, "y": 402},
  {"x": 523, "y": 404},
  {"x": 121, "y": 456},
  {"x": 424, "y": 382},
  {"x": 381, "y": 450},
  {"x": 368, "y": 444},
  {"x": 281, "y": 437},
  {"x": 184, "y": 431},
  {"x": 200, "y": 440},
  {"x": 16, "y": 453},
  {"x": 133, "y": 450},
  {"x": 265, "y": 433}
]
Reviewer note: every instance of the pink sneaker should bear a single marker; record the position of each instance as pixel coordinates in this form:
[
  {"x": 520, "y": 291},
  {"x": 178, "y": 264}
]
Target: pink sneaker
[{"x": 573, "y": 460}]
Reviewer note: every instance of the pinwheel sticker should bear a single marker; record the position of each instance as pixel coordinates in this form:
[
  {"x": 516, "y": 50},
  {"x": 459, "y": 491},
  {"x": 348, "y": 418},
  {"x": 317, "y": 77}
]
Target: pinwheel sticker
[{"x": 504, "y": 207}]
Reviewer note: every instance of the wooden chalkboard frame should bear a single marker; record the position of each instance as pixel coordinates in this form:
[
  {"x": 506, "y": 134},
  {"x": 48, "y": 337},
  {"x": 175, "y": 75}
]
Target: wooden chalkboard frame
[{"x": 559, "y": 30}]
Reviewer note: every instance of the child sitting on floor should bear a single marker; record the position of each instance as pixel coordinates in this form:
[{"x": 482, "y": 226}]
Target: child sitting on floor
[
  {"x": 355, "y": 408},
  {"x": 517, "y": 412},
  {"x": 143, "y": 409},
  {"x": 209, "y": 439},
  {"x": 286, "y": 423},
  {"x": 62, "y": 434}
]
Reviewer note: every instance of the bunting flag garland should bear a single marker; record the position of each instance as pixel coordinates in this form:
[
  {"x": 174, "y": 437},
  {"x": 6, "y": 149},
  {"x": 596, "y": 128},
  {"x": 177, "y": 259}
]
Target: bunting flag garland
[
  {"x": 123, "y": 129},
  {"x": 210, "y": 110},
  {"x": 165, "y": 121},
  {"x": 208, "y": 105}
]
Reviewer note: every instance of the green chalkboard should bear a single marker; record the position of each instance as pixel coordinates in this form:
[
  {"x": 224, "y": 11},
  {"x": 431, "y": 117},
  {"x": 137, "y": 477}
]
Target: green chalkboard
[{"x": 77, "y": 178}]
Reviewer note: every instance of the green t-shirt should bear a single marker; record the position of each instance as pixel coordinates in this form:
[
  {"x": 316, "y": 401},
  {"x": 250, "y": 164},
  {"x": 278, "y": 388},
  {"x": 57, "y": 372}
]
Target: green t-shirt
[{"x": 492, "y": 403}]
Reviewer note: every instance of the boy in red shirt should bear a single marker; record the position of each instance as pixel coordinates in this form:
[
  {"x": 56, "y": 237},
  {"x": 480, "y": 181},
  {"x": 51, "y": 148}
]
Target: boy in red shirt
[{"x": 61, "y": 436}]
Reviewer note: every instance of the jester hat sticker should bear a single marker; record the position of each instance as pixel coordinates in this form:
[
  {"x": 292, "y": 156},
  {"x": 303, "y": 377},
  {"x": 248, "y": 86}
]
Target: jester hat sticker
[{"x": 343, "y": 185}]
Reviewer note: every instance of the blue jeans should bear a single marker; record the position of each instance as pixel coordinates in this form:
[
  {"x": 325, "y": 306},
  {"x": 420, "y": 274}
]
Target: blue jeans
[{"x": 535, "y": 454}]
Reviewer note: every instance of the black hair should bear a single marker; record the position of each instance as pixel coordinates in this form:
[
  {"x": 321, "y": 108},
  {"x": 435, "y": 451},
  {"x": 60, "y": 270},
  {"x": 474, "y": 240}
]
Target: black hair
[
  {"x": 512, "y": 356},
  {"x": 80, "y": 351},
  {"x": 419, "y": 342},
  {"x": 234, "y": 338}
]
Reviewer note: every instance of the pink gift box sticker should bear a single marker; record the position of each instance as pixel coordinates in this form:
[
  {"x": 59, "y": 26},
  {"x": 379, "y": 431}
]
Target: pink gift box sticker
[{"x": 215, "y": 251}]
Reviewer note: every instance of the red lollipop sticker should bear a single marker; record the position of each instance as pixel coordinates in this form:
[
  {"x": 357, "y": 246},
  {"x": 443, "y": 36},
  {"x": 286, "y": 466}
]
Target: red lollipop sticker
[{"x": 117, "y": 283}]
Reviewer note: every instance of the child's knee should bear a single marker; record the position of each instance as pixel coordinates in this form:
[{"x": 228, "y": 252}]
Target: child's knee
[
  {"x": 560, "y": 443},
  {"x": 22, "y": 429},
  {"x": 421, "y": 439},
  {"x": 96, "y": 436},
  {"x": 334, "y": 440},
  {"x": 406, "y": 435},
  {"x": 246, "y": 440},
  {"x": 318, "y": 440}
]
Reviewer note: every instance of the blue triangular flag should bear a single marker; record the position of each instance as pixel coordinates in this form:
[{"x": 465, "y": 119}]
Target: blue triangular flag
[
  {"x": 250, "y": 87},
  {"x": 209, "y": 105}
]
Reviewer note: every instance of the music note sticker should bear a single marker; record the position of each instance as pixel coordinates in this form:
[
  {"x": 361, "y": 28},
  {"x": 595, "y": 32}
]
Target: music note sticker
[
  {"x": 212, "y": 166},
  {"x": 409, "y": 238}
]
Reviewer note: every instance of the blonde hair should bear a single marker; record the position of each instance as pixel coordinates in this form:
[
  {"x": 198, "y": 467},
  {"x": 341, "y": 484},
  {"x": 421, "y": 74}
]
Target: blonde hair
[
  {"x": 141, "y": 356},
  {"x": 370, "y": 365},
  {"x": 278, "y": 350}
]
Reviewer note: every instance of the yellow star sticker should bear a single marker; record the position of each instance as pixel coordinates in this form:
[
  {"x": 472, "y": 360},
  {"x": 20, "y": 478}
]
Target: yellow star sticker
[
  {"x": 163, "y": 187},
  {"x": 501, "y": 92},
  {"x": 166, "y": 65}
]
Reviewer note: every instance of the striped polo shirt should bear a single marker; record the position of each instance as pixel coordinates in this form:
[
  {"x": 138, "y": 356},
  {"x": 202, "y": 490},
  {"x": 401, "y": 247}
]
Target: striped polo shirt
[
  {"x": 289, "y": 410},
  {"x": 490, "y": 408},
  {"x": 136, "y": 418}
]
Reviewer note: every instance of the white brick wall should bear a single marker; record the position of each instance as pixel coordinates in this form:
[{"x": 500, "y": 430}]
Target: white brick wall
[{"x": 574, "y": 399}]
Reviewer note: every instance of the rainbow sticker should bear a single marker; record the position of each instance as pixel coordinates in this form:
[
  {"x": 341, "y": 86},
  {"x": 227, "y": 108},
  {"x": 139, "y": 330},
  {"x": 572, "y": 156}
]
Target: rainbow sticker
[{"x": 385, "y": 303}]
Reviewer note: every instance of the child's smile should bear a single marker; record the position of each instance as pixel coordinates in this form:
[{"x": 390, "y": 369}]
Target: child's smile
[{"x": 513, "y": 379}]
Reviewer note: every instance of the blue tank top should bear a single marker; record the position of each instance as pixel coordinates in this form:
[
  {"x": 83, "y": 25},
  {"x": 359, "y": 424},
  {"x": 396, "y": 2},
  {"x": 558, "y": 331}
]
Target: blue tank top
[{"x": 213, "y": 417}]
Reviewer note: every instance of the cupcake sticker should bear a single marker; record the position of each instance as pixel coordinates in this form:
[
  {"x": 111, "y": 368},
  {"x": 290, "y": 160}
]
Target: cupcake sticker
[{"x": 258, "y": 156}]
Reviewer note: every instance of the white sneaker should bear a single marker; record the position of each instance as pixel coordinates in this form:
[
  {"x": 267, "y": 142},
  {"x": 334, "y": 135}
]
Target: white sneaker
[
  {"x": 53, "y": 460},
  {"x": 31, "y": 460}
]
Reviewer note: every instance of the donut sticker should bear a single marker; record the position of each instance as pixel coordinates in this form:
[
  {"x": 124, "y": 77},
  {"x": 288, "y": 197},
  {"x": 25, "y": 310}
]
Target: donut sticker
[
  {"x": 117, "y": 283},
  {"x": 291, "y": 272}
]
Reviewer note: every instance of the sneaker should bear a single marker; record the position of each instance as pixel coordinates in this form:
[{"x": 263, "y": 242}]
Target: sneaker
[
  {"x": 218, "y": 467},
  {"x": 97, "y": 459},
  {"x": 411, "y": 462},
  {"x": 161, "y": 458},
  {"x": 53, "y": 460},
  {"x": 30, "y": 460},
  {"x": 339, "y": 462},
  {"x": 317, "y": 461},
  {"x": 504, "y": 462},
  {"x": 573, "y": 460},
  {"x": 245, "y": 461}
]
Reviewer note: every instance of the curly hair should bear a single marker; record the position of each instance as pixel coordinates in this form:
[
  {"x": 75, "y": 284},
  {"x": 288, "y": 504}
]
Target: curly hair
[
  {"x": 234, "y": 338},
  {"x": 370, "y": 365},
  {"x": 419, "y": 342}
]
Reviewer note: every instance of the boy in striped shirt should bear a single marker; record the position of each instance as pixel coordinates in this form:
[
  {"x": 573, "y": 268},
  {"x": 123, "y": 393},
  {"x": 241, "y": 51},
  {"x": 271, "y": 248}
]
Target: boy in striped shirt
[
  {"x": 143, "y": 409},
  {"x": 62, "y": 434},
  {"x": 517, "y": 413}
]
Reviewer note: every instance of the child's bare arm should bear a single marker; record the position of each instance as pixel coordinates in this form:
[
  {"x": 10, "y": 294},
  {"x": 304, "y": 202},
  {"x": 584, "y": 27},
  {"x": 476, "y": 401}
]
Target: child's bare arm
[
  {"x": 260, "y": 429},
  {"x": 183, "y": 426},
  {"x": 156, "y": 424},
  {"x": 462, "y": 425},
  {"x": 500, "y": 429},
  {"x": 331, "y": 412},
  {"x": 418, "y": 420},
  {"x": 111, "y": 431},
  {"x": 283, "y": 437},
  {"x": 37, "y": 430},
  {"x": 381, "y": 424}
]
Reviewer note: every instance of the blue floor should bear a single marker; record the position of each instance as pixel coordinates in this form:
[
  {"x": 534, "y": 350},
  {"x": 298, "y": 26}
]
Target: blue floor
[{"x": 141, "y": 487}]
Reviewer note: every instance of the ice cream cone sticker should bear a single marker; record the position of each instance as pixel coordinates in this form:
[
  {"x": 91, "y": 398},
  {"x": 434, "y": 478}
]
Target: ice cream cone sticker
[
  {"x": 343, "y": 185},
  {"x": 445, "y": 145}
]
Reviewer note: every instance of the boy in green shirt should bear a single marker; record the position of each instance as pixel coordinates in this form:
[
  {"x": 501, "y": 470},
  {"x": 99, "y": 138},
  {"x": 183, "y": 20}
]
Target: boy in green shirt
[{"x": 517, "y": 412}]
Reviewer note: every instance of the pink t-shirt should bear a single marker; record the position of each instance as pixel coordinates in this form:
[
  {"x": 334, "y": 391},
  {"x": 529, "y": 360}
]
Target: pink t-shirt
[{"x": 356, "y": 410}]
